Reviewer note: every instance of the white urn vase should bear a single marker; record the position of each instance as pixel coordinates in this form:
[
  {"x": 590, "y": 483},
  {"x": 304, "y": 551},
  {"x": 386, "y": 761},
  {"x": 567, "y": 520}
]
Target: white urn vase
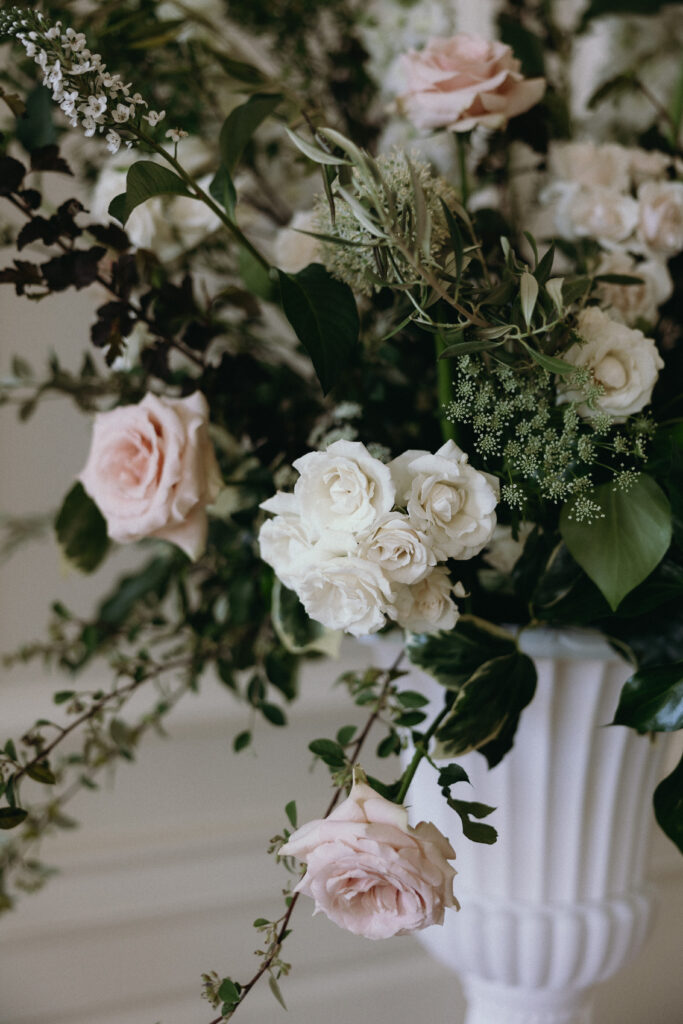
[{"x": 559, "y": 903}]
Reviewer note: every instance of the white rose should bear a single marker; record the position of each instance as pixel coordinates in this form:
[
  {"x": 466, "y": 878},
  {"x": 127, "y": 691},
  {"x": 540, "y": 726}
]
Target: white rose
[
  {"x": 293, "y": 250},
  {"x": 428, "y": 606},
  {"x": 402, "y": 551},
  {"x": 348, "y": 593},
  {"x": 447, "y": 499},
  {"x": 632, "y": 302},
  {"x": 152, "y": 471},
  {"x": 588, "y": 164},
  {"x": 660, "y": 224},
  {"x": 646, "y": 164},
  {"x": 504, "y": 551},
  {"x": 286, "y": 545},
  {"x": 593, "y": 211},
  {"x": 623, "y": 360},
  {"x": 343, "y": 488}
]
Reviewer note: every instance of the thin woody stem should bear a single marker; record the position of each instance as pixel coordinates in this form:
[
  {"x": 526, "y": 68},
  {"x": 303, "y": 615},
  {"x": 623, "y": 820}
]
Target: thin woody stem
[{"x": 284, "y": 924}]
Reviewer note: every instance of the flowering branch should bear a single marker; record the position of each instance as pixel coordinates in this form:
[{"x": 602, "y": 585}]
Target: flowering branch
[{"x": 283, "y": 930}]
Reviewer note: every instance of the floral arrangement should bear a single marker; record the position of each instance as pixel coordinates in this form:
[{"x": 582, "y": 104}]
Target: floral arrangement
[{"x": 387, "y": 338}]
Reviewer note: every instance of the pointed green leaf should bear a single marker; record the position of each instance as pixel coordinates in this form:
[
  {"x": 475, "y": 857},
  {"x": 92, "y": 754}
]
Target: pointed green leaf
[
  {"x": 81, "y": 530},
  {"x": 323, "y": 313},
  {"x": 550, "y": 363},
  {"x": 240, "y": 125},
  {"x": 314, "y": 152},
  {"x": 668, "y": 803},
  {"x": 11, "y": 817},
  {"x": 528, "y": 293},
  {"x": 622, "y": 547},
  {"x": 454, "y": 656},
  {"x": 275, "y": 989},
  {"x": 146, "y": 179},
  {"x": 222, "y": 190},
  {"x": 652, "y": 699}
]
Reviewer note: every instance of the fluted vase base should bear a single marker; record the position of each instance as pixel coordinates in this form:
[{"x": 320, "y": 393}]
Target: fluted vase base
[{"x": 488, "y": 1003}]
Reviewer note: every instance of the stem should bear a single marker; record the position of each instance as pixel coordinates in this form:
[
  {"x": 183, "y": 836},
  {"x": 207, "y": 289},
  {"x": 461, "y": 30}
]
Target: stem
[
  {"x": 461, "y": 146},
  {"x": 284, "y": 926},
  {"x": 199, "y": 193},
  {"x": 445, "y": 389},
  {"x": 421, "y": 750}
]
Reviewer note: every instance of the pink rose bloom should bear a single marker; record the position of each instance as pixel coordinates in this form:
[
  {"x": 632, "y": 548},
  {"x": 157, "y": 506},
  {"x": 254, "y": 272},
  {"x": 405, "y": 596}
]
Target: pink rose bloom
[
  {"x": 152, "y": 471},
  {"x": 370, "y": 872},
  {"x": 464, "y": 81}
]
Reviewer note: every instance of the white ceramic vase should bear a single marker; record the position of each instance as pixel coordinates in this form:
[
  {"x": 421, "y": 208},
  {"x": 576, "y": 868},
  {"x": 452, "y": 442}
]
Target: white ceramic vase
[{"x": 560, "y": 902}]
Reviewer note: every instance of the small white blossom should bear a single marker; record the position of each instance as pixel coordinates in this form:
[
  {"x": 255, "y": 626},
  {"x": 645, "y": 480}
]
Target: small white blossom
[
  {"x": 113, "y": 141},
  {"x": 154, "y": 117},
  {"x": 176, "y": 134}
]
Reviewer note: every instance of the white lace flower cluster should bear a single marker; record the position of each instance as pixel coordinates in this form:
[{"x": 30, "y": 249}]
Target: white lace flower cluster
[
  {"x": 85, "y": 91},
  {"x": 360, "y": 541}
]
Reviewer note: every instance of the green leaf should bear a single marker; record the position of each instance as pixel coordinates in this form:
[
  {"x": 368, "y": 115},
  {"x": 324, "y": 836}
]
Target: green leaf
[
  {"x": 41, "y": 773},
  {"x": 240, "y": 125},
  {"x": 346, "y": 734},
  {"x": 228, "y": 992},
  {"x": 528, "y": 293},
  {"x": 526, "y": 46},
  {"x": 456, "y": 240},
  {"x": 450, "y": 774},
  {"x": 486, "y": 711},
  {"x": 454, "y": 656},
  {"x": 463, "y": 348},
  {"x": 620, "y": 549},
  {"x": 11, "y": 750},
  {"x": 296, "y": 632},
  {"x": 329, "y": 752},
  {"x": 221, "y": 189},
  {"x": 290, "y": 811},
  {"x": 242, "y": 740},
  {"x": 411, "y": 699},
  {"x": 35, "y": 128},
  {"x": 624, "y": 279},
  {"x": 256, "y": 277},
  {"x": 323, "y": 313},
  {"x": 153, "y": 579},
  {"x": 544, "y": 268},
  {"x": 319, "y": 156},
  {"x": 668, "y": 804},
  {"x": 117, "y": 208},
  {"x": 273, "y": 714},
  {"x": 550, "y": 363},
  {"x": 81, "y": 530},
  {"x": 275, "y": 989},
  {"x": 475, "y": 831},
  {"x": 652, "y": 700},
  {"x": 63, "y": 696},
  {"x": 10, "y": 817},
  {"x": 146, "y": 179}
]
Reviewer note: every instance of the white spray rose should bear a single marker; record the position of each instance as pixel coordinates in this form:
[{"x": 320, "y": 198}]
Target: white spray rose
[
  {"x": 593, "y": 211},
  {"x": 589, "y": 164},
  {"x": 633, "y": 302},
  {"x": 660, "y": 224},
  {"x": 623, "y": 360},
  {"x": 428, "y": 606},
  {"x": 348, "y": 593},
  {"x": 343, "y": 488},
  {"x": 504, "y": 551},
  {"x": 287, "y": 546},
  {"x": 402, "y": 551},
  {"x": 452, "y": 503}
]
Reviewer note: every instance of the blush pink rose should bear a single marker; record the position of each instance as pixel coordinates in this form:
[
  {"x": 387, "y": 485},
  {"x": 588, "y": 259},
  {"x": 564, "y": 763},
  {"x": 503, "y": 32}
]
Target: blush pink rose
[
  {"x": 370, "y": 872},
  {"x": 152, "y": 471},
  {"x": 465, "y": 81}
]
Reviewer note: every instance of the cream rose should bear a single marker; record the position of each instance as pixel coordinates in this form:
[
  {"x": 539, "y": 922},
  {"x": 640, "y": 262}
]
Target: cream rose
[
  {"x": 452, "y": 503},
  {"x": 464, "y": 81},
  {"x": 428, "y": 606},
  {"x": 343, "y": 488},
  {"x": 632, "y": 302},
  {"x": 402, "y": 551},
  {"x": 345, "y": 592},
  {"x": 588, "y": 164},
  {"x": 504, "y": 551},
  {"x": 286, "y": 545},
  {"x": 660, "y": 224},
  {"x": 593, "y": 211},
  {"x": 152, "y": 471},
  {"x": 623, "y": 360},
  {"x": 372, "y": 873}
]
